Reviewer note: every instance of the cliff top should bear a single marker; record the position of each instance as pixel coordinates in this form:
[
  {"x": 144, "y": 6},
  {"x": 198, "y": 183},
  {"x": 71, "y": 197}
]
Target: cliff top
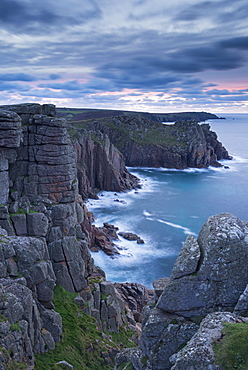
[{"x": 78, "y": 114}]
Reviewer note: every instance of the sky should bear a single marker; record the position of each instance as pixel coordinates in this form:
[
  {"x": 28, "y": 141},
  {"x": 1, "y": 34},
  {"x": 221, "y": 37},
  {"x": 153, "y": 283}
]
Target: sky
[{"x": 143, "y": 55}]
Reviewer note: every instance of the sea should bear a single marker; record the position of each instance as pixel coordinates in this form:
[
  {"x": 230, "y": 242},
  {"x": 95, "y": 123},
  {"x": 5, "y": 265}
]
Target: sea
[{"x": 172, "y": 204}]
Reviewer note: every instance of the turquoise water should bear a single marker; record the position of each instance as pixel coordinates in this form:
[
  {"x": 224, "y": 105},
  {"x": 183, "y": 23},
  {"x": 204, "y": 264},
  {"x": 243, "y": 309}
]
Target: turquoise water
[{"x": 171, "y": 205}]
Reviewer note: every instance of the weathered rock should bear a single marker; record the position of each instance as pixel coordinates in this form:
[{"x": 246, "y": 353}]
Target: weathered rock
[
  {"x": 136, "y": 296},
  {"x": 100, "y": 165},
  {"x": 24, "y": 329},
  {"x": 159, "y": 286},
  {"x": 198, "y": 353},
  {"x": 37, "y": 224},
  {"x": 213, "y": 280}
]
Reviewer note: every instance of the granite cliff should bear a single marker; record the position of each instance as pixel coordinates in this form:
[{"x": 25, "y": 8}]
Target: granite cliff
[
  {"x": 42, "y": 218},
  {"x": 145, "y": 143}
]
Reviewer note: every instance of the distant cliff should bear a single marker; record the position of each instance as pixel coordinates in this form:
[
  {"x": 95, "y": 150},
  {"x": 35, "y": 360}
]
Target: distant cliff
[
  {"x": 146, "y": 143},
  {"x": 77, "y": 114}
]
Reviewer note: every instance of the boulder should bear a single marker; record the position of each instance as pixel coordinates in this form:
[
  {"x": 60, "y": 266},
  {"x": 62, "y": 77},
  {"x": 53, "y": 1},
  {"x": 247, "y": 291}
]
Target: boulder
[{"x": 210, "y": 273}]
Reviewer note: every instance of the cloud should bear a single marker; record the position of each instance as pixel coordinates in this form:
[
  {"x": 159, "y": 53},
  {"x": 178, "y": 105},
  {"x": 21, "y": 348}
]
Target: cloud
[
  {"x": 176, "y": 49},
  {"x": 25, "y": 16},
  {"x": 16, "y": 77},
  {"x": 235, "y": 43},
  {"x": 13, "y": 87},
  {"x": 54, "y": 76}
]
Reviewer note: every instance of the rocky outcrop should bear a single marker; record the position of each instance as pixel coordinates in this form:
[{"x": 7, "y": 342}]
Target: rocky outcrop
[
  {"x": 136, "y": 296},
  {"x": 100, "y": 165},
  {"x": 206, "y": 276},
  {"x": 198, "y": 353},
  {"x": 209, "y": 278},
  {"x": 147, "y": 143},
  {"x": 42, "y": 241},
  {"x": 28, "y": 322}
]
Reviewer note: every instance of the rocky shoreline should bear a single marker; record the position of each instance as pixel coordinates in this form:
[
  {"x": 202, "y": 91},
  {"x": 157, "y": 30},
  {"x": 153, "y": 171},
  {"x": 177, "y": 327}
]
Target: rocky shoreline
[{"x": 47, "y": 169}]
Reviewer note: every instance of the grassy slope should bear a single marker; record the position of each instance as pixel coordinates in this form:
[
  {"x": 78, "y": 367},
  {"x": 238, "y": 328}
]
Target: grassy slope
[
  {"x": 82, "y": 344},
  {"x": 147, "y": 133},
  {"x": 231, "y": 352}
]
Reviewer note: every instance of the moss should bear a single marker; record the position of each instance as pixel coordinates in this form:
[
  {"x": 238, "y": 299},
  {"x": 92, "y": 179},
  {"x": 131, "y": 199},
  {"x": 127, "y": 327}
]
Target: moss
[
  {"x": 231, "y": 351},
  {"x": 104, "y": 297},
  {"x": 174, "y": 322},
  {"x": 20, "y": 211},
  {"x": 15, "y": 326},
  {"x": 197, "y": 319},
  {"x": 3, "y": 318},
  {"x": 32, "y": 211},
  {"x": 144, "y": 360}
]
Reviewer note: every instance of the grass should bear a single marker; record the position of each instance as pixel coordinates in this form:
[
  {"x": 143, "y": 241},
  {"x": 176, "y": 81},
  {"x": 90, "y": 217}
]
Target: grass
[
  {"x": 146, "y": 133},
  {"x": 15, "y": 326},
  {"x": 3, "y": 318},
  {"x": 82, "y": 344},
  {"x": 231, "y": 352},
  {"x": 20, "y": 211}
]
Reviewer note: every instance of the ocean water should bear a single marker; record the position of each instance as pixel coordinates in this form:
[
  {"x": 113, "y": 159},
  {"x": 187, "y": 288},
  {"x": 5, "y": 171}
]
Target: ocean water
[{"x": 171, "y": 205}]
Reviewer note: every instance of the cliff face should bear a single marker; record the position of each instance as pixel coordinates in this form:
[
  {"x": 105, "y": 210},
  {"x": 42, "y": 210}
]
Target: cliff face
[
  {"x": 41, "y": 237},
  {"x": 100, "y": 165},
  {"x": 209, "y": 281},
  {"x": 146, "y": 143}
]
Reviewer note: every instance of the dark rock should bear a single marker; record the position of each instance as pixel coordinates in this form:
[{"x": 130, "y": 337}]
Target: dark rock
[
  {"x": 20, "y": 224},
  {"x": 100, "y": 165}
]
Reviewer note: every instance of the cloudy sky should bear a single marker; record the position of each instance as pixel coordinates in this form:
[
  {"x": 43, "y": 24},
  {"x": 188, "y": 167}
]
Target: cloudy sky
[{"x": 146, "y": 55}]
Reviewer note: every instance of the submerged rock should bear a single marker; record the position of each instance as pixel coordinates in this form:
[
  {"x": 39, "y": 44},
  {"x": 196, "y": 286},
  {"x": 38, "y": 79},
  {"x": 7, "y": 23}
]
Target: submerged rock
[{"x": 131, "y": 236}]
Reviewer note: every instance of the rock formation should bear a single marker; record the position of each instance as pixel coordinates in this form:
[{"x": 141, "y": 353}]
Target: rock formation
[
  {"x": 146, "y": 143},
  {"x": 209, "y": 278},
  {"x": 41, "y": 235}
]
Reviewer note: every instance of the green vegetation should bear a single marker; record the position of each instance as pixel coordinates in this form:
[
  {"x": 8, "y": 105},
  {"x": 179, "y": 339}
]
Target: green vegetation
[
  {"x": 143, "y": 132},
  {"x": 231, "y": 351},
  {"x": 82, "y": 344},
  {"x": 20, "y": 211},
  {"x": 32, "y": 211},
  {"x": 174, "y": 322},
  {"x": 15, "y": 326},
  {"x": 3, "y": 318},
  {"x": 81, "y": 113}
]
